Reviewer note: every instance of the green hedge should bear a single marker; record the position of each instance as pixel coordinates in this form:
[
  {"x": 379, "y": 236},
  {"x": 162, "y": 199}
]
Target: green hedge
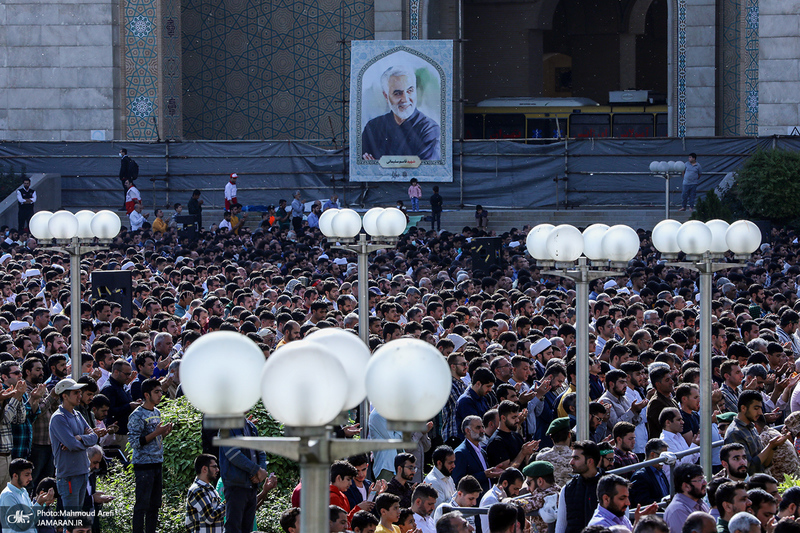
[
  {"x": 768, "y": 185},
  {"x": 180, "y": 449}
]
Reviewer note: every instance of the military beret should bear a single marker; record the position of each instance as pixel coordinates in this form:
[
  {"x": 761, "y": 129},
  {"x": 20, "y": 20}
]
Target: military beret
[
  {"x": 538, "y": 469},
  {"x": 726, "y": 418},
  {"x": 559, "y": 424}
]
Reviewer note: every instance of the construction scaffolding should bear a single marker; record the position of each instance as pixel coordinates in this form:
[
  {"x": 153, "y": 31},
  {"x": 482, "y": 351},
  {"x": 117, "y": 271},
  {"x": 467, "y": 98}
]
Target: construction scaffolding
[{"x": 499, "y": 174}]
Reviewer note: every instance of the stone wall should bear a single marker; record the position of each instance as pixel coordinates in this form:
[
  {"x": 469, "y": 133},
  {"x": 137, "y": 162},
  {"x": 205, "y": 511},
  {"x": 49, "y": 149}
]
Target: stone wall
[
  {"x": 58, "y": 70},
  {"x": 700, "y": 35},
  {"x": 779, "y": 67},
  {"x": 389, "y": 20}
]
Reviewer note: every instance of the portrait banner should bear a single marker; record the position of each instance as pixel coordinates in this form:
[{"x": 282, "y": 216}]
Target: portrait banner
[{"x": 401, "y": 112}]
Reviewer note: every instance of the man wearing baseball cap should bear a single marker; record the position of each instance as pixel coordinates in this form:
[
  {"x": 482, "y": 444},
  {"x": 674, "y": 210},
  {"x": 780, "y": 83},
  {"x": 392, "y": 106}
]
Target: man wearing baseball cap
[
  {"x": 70, "y": 436},
  {"x": 230, "y": 192}
]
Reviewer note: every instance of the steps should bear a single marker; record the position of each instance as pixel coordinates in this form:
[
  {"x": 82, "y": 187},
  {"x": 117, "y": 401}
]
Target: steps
[
  {"x": 501, "y": 220},
  {"x": 504, "y": 220}
]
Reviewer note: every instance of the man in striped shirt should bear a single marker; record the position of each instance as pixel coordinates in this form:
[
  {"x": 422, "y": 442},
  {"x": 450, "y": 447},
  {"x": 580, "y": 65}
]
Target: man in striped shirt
[
  {"x": 458, "y": 369},
  {"x": 205, "y": 510}
]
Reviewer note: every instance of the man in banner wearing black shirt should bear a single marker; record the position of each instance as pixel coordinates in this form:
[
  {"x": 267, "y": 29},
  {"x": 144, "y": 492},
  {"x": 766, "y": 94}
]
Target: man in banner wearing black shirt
[{"x": 403, "y": 130}]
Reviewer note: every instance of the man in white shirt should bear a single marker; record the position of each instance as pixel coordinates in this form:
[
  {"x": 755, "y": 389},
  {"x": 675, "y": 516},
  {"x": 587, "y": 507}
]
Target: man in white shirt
[
  {"x": 444, "y": 461},
  {"x": 16, "y": 494},
  {"x": 508, "y": 486},
  {"x": 26, "y": 197},
  {"x": 226, "y": 222},
  {"x": 637, "y": 378},
  {"x": 136, "y": 217},
  {"x": 230, "y": 192},
  {"x": 423, "y": 503},
  {"x": 672, "y": 433}
]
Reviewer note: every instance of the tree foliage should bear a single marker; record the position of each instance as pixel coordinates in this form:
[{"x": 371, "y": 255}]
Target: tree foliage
[
  {"x": 768, "y": 185},
  {"x": 180, "y": 449},
  {"x": 10, "y": 180},
  {"x": 712, "y": 207}
]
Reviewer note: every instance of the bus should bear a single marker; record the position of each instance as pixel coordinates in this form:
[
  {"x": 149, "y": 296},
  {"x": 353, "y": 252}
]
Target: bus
[{"x": 559, "y": 118}]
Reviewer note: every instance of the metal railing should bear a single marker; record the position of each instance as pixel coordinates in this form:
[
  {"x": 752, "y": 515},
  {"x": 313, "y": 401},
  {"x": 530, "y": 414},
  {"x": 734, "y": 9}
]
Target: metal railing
[{"x": 665, "y": 457}]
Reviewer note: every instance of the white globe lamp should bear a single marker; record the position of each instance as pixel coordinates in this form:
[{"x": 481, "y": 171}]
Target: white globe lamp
[
  {"x": 391, "y": 223},
  {"x": 665, "y": 237},
  {"x": 38, "y": 225},
  {"x": 85, "y": 224},
  {"x": 346, "y": 224},
  {"x": 694, "y": 238},
  {"x": 63, "y": 225},
  {"x": 354, "y": 356},
  {"x": 304, "y": 385},
  {"x": 620, "y": 243},
  {"x": 593, "y": 241},
  {"x": 402, "y": 396},
  {"x": 743, "y": 237},
  {"x": 719, "y": 230},
  {"x": 220, "y": 375},
  {"x": 370, "y": 220},
  {"x": 564, "y": 243},
  {"x": 536, "y": 242},
  {"x": 325, "y": 221},
  {"x": 105, "y": 225}
]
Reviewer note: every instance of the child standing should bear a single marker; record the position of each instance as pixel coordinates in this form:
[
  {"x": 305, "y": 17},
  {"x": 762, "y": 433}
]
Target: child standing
[
  {"x": 388, "y": 507},
  {"x": 415, "y": 193},
  {"x": 178, "y": 210}
]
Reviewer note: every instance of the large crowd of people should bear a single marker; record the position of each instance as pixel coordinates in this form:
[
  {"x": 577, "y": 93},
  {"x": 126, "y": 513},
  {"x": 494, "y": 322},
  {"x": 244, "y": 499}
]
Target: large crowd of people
[{"x": 503, "y": 442}]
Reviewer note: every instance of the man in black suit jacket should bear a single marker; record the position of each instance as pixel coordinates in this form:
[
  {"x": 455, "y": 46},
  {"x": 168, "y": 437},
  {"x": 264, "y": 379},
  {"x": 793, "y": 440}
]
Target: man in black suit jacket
[
  {"x": 471, "y": 458},
  {"x": 649, "y": 484},
  {"x": 124, "y": 166}
]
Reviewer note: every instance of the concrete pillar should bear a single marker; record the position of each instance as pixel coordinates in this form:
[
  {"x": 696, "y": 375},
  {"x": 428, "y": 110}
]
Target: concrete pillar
[
  {"x": 390, "y": 20},
  {"x": 536, "y": 62},
  {"x": 627, "y": 61},
  {"x": 58, "y": 69},
  {"x": 778, "y": 67}
]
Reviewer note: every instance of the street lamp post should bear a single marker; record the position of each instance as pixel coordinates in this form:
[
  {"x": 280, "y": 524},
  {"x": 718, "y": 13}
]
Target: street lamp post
[
  {"x": 305, "y": 385},
  {"x": 568, "y": 250},
  {"x": 382, "y": 226},
  {"x": 75, "y": 235},
  {"x": 704, "y": 245},
  {"x": 664, "y": 169}
]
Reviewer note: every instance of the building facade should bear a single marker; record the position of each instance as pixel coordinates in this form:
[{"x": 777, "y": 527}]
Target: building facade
[{"x": 240, "y": 69}]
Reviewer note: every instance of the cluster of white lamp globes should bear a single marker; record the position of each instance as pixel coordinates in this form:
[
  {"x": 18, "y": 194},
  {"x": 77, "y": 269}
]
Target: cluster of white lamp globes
[
  {"x": 715, "y": 237},
  {"x": 599, "y": 243},
  {"x": 666, "y": 167},
  {"x": 377, "y": 222},
  {"x": 64, "y": 226},
  {"x": 309, "y": 382}
]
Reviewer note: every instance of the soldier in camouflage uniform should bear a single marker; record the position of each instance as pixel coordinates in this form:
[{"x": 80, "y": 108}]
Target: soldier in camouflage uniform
[
  {"x": 543, "y": 496},
  {"x": 560, "y": 454}
]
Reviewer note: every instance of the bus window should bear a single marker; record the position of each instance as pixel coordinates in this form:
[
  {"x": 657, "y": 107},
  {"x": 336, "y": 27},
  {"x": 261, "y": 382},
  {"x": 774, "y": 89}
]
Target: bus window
[
  {"x": 632, "y": 125},
  {"x": 546, "y": 128},
  {"x": 590, "y": 125},
  {"x": 505, "y": 126},
  {"x": 662, "y": 125},
  {"x": 473, "y": 126}
]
